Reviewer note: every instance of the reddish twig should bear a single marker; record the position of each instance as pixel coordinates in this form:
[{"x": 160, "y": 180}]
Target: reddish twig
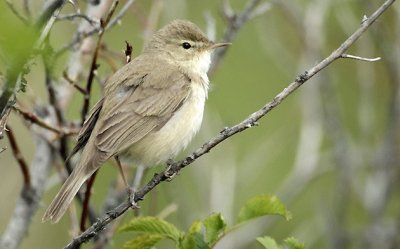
[
  {"x": 94, "y": 66},
  {"x": 85, "y": 204},
  {"x": 76, "y": 86},
  {"x": 36, "y": 120},
  {"x": 18, "y": 156}
]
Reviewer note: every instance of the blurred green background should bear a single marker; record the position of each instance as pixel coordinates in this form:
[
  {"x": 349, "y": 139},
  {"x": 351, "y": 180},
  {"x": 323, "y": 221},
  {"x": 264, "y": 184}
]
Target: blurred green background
[{"x": 329, "y": 152}]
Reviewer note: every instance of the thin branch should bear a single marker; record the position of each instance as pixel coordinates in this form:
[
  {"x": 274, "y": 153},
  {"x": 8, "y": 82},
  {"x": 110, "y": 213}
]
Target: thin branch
[
  {"x": 19, "y": 157},
  {"x": 36, "y": 120},
  {"x": 2, "y": 149},
  {"x": 94, "y": 66},
  {"x": 119, "y": 15},
  {"x": 70, "y": 81},
  {"x": 354, "y": 57},
  {"x": 79, "y": 38},
  {"x": 235, "y": 22},
  {"x": 71, "y": 17},
  {"x": 86, "y": 201},
  {"x": 228, "y": 132},
  {"x": 16, "y": 13}
]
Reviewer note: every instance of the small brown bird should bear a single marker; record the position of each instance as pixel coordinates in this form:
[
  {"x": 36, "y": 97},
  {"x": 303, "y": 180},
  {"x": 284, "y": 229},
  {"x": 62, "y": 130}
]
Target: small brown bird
[{"x": 151, "y": 108}]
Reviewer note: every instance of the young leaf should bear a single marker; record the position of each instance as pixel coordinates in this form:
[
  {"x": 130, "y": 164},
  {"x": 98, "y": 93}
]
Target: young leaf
[
  {"x": 293, "y": 243},
  {"x": 152, "y": 225},
  {"x": 268, "y": 242},
  {"x": 214, "y": 225},
  {"x": 194, "y": 239},
  {"x": 263, "y": 205},
  {"x": 145, "y": 241}
]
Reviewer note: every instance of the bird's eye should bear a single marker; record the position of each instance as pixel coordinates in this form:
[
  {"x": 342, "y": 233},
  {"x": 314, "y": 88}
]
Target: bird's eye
[{"x": 186, "y": 45}]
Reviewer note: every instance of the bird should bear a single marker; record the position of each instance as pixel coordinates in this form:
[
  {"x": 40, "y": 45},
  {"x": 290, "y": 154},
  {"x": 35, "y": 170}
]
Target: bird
[{"x": 150, "y": 110}]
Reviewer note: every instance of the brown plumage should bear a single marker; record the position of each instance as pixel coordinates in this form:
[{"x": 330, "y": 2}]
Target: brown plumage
[{"x": 150, "y": 110}]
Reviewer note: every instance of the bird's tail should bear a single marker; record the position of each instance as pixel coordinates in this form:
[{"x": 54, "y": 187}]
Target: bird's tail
[{"x": 66, "y": 194}]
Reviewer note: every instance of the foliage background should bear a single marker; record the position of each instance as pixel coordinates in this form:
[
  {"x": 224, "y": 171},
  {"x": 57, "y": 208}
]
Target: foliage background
[{"x": 330, "y": 151}]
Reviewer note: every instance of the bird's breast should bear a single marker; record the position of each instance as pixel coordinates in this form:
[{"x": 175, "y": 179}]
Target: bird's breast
[{"x": 163, "y": 144}]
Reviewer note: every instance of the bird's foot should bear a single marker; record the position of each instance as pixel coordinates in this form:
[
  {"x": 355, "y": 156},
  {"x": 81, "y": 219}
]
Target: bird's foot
[
  {"x": 168, "y": 174},
  {"x": 131, "y": 198}
]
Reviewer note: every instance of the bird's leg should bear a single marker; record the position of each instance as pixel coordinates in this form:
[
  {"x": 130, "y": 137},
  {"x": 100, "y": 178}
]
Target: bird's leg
[
  {"x": 131, "y": 192},
  {"x": 168, "y": 175}
]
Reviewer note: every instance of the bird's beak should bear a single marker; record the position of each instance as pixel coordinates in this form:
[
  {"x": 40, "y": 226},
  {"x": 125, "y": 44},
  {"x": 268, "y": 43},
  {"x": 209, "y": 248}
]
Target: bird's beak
[{"x": 219, "y": 44}]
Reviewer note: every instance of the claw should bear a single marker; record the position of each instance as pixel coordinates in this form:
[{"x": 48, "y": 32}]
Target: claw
[
  {"x": 168, "y": 175},
  {"x": 131, "y": 198}
]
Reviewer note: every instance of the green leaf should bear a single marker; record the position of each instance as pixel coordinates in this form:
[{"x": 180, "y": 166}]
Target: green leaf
[
  {"x": 152, "y": 225},
  {"x": 145, "y": 241},
  {"x": 293, "y": 243},
  {"x": 215, "y": 226},
  {"x": 268, "y": 242},
  {"x": 263, "y": 205},
  {"x": 194, "y": 239}
]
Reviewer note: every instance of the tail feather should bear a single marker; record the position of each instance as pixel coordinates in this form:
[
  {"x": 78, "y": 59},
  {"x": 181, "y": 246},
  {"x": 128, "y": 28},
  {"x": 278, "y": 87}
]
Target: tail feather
[{"x": 65, "y": 196}]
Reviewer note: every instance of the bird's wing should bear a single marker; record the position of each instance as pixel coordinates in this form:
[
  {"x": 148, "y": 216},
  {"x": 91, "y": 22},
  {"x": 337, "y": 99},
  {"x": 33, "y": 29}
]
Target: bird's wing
[
  {"x": 87, "y": 128},
  {"x": 144, "y": 102}
]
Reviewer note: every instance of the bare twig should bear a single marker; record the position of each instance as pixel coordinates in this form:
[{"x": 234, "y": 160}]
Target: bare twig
[
  {"x": 92, "y": 21},
  {"x": 19, "y": 157},
  {"x": 85, "y": 204},
  {"x": 230, "y": 131},
  {"x": 70, "y": 81},
  {"x": 354, "y": 57},
  {"x": 94, "y": 66},
  {"x": 16, "y": 13},
  {"x": 120, "y": 14},
  {"x": 235, "y": 22},
  {"x": 36, "y": 120},
  {"x": 82, "y": 36},
  {"x": 2, "y": 149}
]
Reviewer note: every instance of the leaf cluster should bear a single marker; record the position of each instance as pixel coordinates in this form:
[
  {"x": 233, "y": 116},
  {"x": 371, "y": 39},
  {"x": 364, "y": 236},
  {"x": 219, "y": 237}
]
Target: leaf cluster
[{"x": 203, "y": 234}]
